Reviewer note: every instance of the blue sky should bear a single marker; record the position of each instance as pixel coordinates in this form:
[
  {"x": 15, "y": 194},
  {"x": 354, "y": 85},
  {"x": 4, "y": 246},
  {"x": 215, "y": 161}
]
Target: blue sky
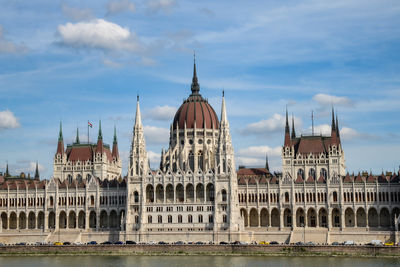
[{"x": 87, "y": 60}]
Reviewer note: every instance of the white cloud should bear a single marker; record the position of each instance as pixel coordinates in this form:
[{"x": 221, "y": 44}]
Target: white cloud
[
  {"x": 254, "y": 156},
  {"x": 259, "y": 151},
  {"x": 276, "y": 123},
  {"x": 330, "y": 100},
  {"x": 8, "y": 47},
  {"x": 161, "y": 5},
  {"x": 32, "y": 167},
  {"x": 77, "y": 13},
  {"x": 323, "y": 129},
  {"x": 111, "y": 63},
  {"x": 156, "y": 135},
  {"x": 8, "y": 120},
  {"x": 349, "y": 133},
  {"x": 162, "y": 113},
  {"x": 98, "y": 34},
  {"x": 114, "y": 7},
  {"x": 154, "y": 159}
]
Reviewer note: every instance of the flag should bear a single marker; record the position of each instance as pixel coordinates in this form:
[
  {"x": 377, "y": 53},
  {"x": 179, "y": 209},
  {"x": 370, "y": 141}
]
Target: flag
[{"x": 89, "y": 124}]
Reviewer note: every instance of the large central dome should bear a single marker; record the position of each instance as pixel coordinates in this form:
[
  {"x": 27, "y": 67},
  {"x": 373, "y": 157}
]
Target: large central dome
[{"x": 195, "y": 109}]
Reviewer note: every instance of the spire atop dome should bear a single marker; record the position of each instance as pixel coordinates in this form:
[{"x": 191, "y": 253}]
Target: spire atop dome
[{"x": 195, "y": 84}]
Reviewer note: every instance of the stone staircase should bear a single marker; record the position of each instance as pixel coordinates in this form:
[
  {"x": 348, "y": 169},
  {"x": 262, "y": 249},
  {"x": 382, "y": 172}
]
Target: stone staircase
[
  {"x": 64, "y": 236},
  {"x": 316, "y": 235}
]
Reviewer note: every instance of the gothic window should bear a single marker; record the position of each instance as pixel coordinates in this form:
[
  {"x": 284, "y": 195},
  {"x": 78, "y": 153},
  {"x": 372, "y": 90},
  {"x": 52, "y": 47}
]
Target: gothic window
[
  {"x": 169, "y": 219},
  {"x": 224, "y": 218},
  {"x": 136, "y": 196},
  {"x": 223, "y": 193},
  {"x": 300, "y": 173},
  {"x": 136, "y": 219},
  {"x": 286, "y": 197},
  {"x": 334, "y": 196},
  {"x": 149, "y": 219},
  {"x": 88, "y": 176},
  {"x": 159, "y": 219},
  {"x": 191, "y": 161},
  {"x": 210, "y": 218},
  {"x": 69, "y": 178},
  {"x": 200, "y": 218},
  {"x": 149, "y": 193},
  {"x": 179, "y": 218},
  {"x": 324, "y": 173},
  {"x": 79, "y": 178},
  {"x": 210, "y": 192},
  {"x": 190, "y": 218},
  {"x": 311, "y": 173}
]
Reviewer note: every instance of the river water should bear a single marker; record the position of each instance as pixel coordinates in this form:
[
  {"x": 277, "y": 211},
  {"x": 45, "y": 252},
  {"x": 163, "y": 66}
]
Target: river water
[{"x": 192, "y": 261}]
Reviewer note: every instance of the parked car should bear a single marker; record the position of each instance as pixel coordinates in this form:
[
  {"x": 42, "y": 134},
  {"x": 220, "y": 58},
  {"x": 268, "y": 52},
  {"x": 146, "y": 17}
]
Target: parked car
[
  {"x": 389, "y": 244},
  {"x": 335, "y": 244},
  {"x": 274, "y": 243},
  {"x": 199, "y": 243},
  {"x": 57, "y": 243},
  {"x": 92, "y": 243},
  {"x": 264, "y": 243},
  {"x": 310, "y": 243},
  {"x": 299, "y": 243},
  {"x": 179, "y": 243},
  {"x": 106, "y": 243},
  {"x": 349, "y": 243},
  {"x": 223, "y": 243},
  {"x": 162, "y": 243},
  {"x": 118, "y": 243},
  {"x": 67, "y": 243},
  {"x": 129, "y": 242},
  {"x": 376, "y": 243}
]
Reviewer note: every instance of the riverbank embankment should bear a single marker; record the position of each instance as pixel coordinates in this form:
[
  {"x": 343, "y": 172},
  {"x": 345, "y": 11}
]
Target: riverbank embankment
[{"x": 265, "y": 250}]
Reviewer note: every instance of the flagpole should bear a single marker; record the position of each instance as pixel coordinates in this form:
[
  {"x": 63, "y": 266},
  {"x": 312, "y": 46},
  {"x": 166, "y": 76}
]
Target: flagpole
[{"x": 88, "y": 132}]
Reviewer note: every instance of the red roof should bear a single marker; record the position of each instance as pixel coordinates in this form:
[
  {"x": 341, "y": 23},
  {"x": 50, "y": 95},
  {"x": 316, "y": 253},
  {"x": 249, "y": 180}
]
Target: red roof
[
  {"x": 196, "y": 109},
  {"x": 85, "y": 152},
  {"x": 253, "y": 171}
]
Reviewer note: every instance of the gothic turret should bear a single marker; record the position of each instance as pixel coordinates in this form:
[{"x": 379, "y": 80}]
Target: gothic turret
[
  {"x": 138, "y": 163},
  {"x": 293, "y": 136},
  {"x": 287, "y": 131},
  {"x": 100, "y": 147},
  {"x": 60, "y": 145},
  {"x": 335, "y": 139},
  {"x": 7, "y": 174},
  {"x": 37, "y": 171},
  {"x": 225, "y": 147},
  {"x": 77, "y": 136},
  {"x": 115, "y": 153}
]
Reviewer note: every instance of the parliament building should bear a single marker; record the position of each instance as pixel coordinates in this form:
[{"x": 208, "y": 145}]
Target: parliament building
[{"x": 198, "y": 193}]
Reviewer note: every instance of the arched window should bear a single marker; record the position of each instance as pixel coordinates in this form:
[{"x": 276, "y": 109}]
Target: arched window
[
  {"x": 311, "y": 173},
  {"x": 334, "y": 196},
  {"x": 149, "y": 219},
  {"x": 190, "y": 218},
  {"x": 159, "y": 219},
  {"x": 79, "y": 178},
  {"x": 136, "y": 219},
  {"x": 69, "y": 178},
  {"x": 179, "y": 218},
  {"x": 224, "y": 218},
  {"x": 300, "y": 173},
  {"x": 210, "y": 218},
  {"x": 200, "y": 218},
  {"x": 51, "y": 201},
  {"x": 92, "y": 200},
  {"x": 223, "y": 193},
  {"x": 169, "y": 219},
  {"x": 136, "y": 196},
  {"x": 286, "y": 197},
  {"x": 324, "y": 173}
]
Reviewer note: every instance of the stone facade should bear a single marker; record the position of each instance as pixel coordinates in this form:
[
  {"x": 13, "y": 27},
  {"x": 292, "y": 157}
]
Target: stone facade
[{"x": 197, "y": 193}]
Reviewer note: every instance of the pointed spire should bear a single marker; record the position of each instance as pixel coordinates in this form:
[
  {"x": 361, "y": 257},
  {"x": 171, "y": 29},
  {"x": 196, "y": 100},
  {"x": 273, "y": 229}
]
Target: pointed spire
[
  {"x": 337, "y": 125},
  {"x": 138, "y": 118},
  {"x": 115, "y": 153},
  {"x": 287, "y": 131},
  {"x": 195, "y": 84},
  {"x": 115, "y": 135},
  {"x": 266, "y": 162},
  {"x": 60, "y": 135},
  {"x": 224, "y": 117},
  {"x": 37, "y": 171},
  {"x": 333, "y": 120},
  {"x": 60, "y": 144},
  {"x": 293, "y": 131},
  {"x": 100, "y": 136},
  {"x": 77, "y": 136},
  {"x": 7, "y": 172}
]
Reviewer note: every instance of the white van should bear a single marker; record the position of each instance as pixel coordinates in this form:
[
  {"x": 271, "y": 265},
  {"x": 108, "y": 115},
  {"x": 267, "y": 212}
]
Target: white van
[
  {"x": 376, "y": 243},
  {"x": 349, "y": 243}
]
